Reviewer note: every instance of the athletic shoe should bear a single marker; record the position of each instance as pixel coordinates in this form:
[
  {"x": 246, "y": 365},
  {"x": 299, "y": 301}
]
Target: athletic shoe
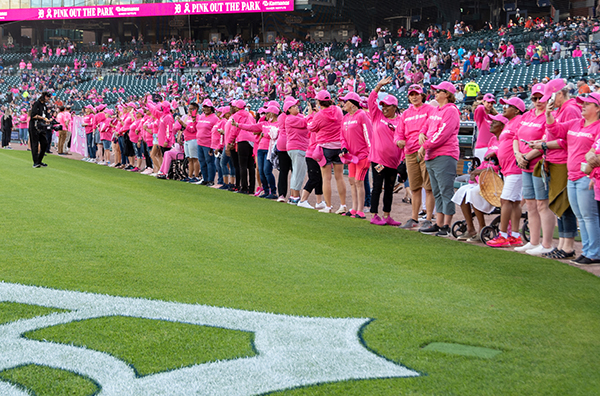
[
  {"x": 210, "y": 184},
  {"x": 326, "y": 209},
  {"x": 128, "y": 167},
  {"x": 444, "y": 232},
  {"x": 147, "y": 171},
  {"x": 538, "y": 251},
  {"x": 259, "y": 190},
  {"x": 425, "y": 224},
  {"x": 320, "y": 205},
  {"x": 587, "y": 261},
  {"x": 499, "y": 241},
  {"x": 305, "y": 204},
  {"x": 465, "y": 236},
  {"x": 348, "y": 214},
  {"x": 391, "y": 222},
  {"x": 578, "y": 259},
  {"x": 515, "y": 241},
  {"x": 43, "y": 164},
  {"x": 474, "y": 238},
  {"x": 410, "y": 224},
  {"x": 8, "y": 148},
  {"x": 185, "y": 179},
  {"x": 224, "y": 187},
  {"x": 376, "y": 220},
  {"x": 433, "y": 230},
  {"x": 271, "y": 196},
  {"x": 293, "y": 200},
  {"x": 37, "y": 165},
  {"x": 263, "y": 195},
  {"x": 342, "y": 209},
  {"x": 155, "y": 174},
  {"x": 526, "y": 247},
  {"x": 359, "y": 215},
  {"x": 193, "y": 180},
  {"x": 85, "y": 159},
  {"x": 281, "y": 198},
  {"x": 101, "y": 163}
]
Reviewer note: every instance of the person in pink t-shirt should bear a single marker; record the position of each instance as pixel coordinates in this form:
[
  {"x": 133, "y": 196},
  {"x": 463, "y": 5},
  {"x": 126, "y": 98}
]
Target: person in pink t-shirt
[
  {"x": 481, "y": 117},
  {"x": 64, "y": 119},
  {"x": 206, "y": 155},
  {"x": 297, "y": 143},
  {"x": 593, "y": 168},
  {"x": 190, "y": 145},
  {"x": 535, "y": 189}
]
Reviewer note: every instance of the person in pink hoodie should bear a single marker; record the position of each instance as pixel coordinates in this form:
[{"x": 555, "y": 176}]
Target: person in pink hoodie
[
  {"x": 406, "y": 137},
  {"x": 137, "y": 141},
  {"x": 357, "y": 132},
  {"x": 240, "y": 144},
  {"x": 439, "y": 149},
  {"x": 88, "y": 124},
  {"x": 206, "y": 156},
  {"x": 384, "y": 153},
  {"x": 297, "y": 144},
  {"x": 326, "y": 121},
  {"x": 580, "y": 135},
  {"x": 535, "y": 189},
  {"x": 224, "y": 164},
  {"x": 266, "y": 131},
  {"x": 285, "y": 162}
]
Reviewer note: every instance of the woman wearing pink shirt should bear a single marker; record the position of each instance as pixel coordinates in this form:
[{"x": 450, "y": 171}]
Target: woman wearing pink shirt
[
  {"x": 535, "y": 189},
  {"x": 357, "y": 131},
  {"x": 412, "y": 121},
  {"x": 136, "y": 140},
  {"x": 297, "y": 144},
  {"x": 510, "y": 199},
  {"x": 227, "y": 170},
  {"x": 106, "y": 135},
  {"x": 326, "y": 122},
  {"x": 240, "y": 144},
  {"x": 481, "y": 117},
  {"x": 439, "y": 149},
  {"x": 23, "y": 132},
  {"x": 580, "y": 136},
  {"x": 265, "y": 131},
  {"x": 384, "y": 154},
  {"x": 88, "y": 124},
  {"x": 206, "y": 156},
  {"x": 190, "y": 142}
]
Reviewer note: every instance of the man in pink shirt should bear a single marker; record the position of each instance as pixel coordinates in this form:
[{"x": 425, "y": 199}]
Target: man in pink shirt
[{"x": 64, "y": 119}]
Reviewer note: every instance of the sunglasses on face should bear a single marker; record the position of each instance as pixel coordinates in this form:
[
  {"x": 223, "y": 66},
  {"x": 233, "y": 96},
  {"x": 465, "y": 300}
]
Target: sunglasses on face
[
  {"x": 535, "y": 98},
  {"x": 441, "y": 91}
]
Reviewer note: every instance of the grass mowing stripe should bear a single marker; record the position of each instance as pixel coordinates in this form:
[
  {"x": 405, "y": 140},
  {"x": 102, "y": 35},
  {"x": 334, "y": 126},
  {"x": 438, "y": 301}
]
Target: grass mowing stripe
[{"x": 126, "y": 234}]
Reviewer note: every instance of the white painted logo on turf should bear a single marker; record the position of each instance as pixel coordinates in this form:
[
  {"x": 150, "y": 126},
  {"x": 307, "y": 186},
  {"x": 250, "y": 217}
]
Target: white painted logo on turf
[{"x": 292, "y": 351}]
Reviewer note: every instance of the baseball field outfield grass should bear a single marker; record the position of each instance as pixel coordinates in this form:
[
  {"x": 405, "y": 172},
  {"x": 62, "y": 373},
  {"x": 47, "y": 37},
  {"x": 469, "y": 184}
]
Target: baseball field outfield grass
[{"x": 81, "y": 227}]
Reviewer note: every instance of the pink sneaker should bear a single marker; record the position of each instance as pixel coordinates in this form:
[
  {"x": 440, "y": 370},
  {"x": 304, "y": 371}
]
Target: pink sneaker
[
  {"x": 499, "y": 241},
  {"x": 377, "y": 220},
  {"x": 392, "y": 222},
  {"x": 259, "y": 191}
]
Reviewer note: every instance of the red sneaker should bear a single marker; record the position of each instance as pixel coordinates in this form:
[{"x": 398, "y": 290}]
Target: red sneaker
[
  {"x": 515, "y": 241},
  {"x": 499, "y": 241}
]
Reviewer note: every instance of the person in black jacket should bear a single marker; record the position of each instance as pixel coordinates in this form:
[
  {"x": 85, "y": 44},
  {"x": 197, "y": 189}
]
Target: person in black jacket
[
  {"x": 38, "y": 126},
  {"x": 7, "y": 126}
]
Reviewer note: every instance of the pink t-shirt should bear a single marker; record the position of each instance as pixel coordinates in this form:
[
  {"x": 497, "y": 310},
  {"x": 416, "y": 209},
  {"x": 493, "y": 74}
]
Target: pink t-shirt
[
  {"x": 134, "y": 131},
  {"x": 327, "y": 124},
  {"x": 532, "y": 128},
  {"x": 204, "y": 126},
  {"x": 505, "y": 153},
  {"x": 190, "y": 132},
  {"x": 238, "y": 134},
  {"x": 483, "y": 122},
  {"x": 282, "y": 137},
  {"x": 297, "y": 132},
  {"x": 570, "y": 110},
  {"x": 383, "y": 149},
  {"x": 442, "y": 133},
  {"x": 357, "y": 132},
  {"x": 579, "y": 141},
  {"x": 414, "y": 120},
  {"x": 89, "y": 121},
  {"x": 596, "y": 172},
  {"x": 23, "y": 121},
  {"x": 216, "y": 141}
]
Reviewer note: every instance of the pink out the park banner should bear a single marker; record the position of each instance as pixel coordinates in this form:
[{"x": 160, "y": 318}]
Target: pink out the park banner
[{"x": 142, "y": 10}]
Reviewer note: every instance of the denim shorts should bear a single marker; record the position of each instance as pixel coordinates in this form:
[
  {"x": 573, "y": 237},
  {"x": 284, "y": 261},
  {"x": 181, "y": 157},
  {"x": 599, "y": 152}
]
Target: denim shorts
[
  {"x": 139, "y": 151},
  {"x": 533, "y": 187},
  {"x": 106, "y": 144},
  {"x": 191, "y": 148},
  {"x": 332, "y": 156}
]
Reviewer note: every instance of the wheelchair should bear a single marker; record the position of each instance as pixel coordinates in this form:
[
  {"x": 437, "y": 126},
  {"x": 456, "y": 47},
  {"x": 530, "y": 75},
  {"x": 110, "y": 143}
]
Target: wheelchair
[{"x": 490, "y": 231}]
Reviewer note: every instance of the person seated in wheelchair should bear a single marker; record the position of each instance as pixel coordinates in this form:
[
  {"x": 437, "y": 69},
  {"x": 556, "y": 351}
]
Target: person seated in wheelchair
[{"x": 468, "y": 197}]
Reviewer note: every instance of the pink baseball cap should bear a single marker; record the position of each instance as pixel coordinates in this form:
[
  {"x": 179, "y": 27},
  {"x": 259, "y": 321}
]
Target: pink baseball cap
[
  {"x": 364, "y": 103},
  {"x": 274, "y": 103},
  {"x": 591, "y": 98},
  {"x": 319, "y": 156},
  {"x": 552, "y": 87},
  {"x": 389, "y": 100},
  {"x": 446, "y": 86},
  {"x": 239, "y": 103},
  {"x": 261, "y": 110},
  {"x": 323, "y": 95},
  {"x": 415, "y": 88},
  {"x": 289, "y": 103},
  {"x": 351, "y": 96},
  {"x": 516, "y": 102},
  {"x": 538, "y": 89},
  {"x": 207, "y": 103},
  {"x": 349, "y": 158},
  {"x": 224, "y": 109},
  {"x": 488, "y": 97},
  {"x": 500, "y": 118},
  {"x": 110, "y": 112},
  {"x": 101, "y": 107},
  {"x": 272, "y": 109}
]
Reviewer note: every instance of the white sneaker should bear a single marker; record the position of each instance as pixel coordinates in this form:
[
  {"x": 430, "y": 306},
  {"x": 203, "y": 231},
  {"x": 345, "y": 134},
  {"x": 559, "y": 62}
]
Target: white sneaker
[
  {"x": 320, "y": 205},
  {"x": 526, "y": 247},
  {"x": 85, "y": 159},
  {"x": 281, "y": 199},
  {"x": 326, "y": 209},
  {"x": 342, "y": 209},
  {"x": 101, "y": 163},
  {"x": 153, "y": 174},
  {"x": 305, "y": 204},
  {"x": 538, "y": 251}
]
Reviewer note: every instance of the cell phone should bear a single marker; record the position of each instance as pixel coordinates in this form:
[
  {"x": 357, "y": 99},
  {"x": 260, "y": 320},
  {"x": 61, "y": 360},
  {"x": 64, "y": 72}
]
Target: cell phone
[
  {"x": 525, "y": 141},
  {"x": 379, "y": 168},
  {"x": 583, "y": 166}
]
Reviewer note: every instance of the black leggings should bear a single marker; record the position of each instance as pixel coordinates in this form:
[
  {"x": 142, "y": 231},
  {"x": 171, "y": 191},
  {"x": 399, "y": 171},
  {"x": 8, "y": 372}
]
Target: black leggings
[
  {"x": 285, "y": 166},
  {"x": 236, "y": 165},
  {"x": 247, "y": 167},
  {"x": 36, "y": 137},
  {"x": 386, "y": 179},
  {"x": 315, "y": 178}
]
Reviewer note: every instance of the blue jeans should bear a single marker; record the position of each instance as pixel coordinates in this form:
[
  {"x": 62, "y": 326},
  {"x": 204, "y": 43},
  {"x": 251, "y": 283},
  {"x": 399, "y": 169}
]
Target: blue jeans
[
  {"x": 207, "y": 163},
  {"x": 567, "y": 224},
  {"x": 23, "y": 134},
  {"x": 91, "y": 147},
  {"x": 218, "y": 169},
  {"x": 586, "y": 208},
  {"x": 225, "y": 162},
  {"x": 124, "y": 160},
  {"x": 265, "y": 170}
]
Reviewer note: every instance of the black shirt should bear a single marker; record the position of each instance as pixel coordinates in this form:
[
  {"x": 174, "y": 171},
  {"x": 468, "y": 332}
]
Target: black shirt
[{"x": 38, "y": 109}]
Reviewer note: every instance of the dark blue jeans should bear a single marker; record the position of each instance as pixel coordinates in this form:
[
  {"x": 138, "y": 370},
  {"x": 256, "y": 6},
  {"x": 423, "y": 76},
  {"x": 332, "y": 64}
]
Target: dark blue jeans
[
  {"x": 567, "y": 224},
  {"x": 122, "y": 148},
  {"x": 207, "y": 163},
  {"x": 218, "y": 169},
  {"x": 91, "y": 147},
  {"x": 265, "y": 170}
]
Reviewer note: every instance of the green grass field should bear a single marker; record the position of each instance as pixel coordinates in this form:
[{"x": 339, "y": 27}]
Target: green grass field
[{"x": 79, "y": 226}]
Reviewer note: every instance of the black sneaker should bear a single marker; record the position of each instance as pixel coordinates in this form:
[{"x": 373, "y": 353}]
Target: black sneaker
[
  {"x": 433, "y": 230},
  {"x": 587, "y": 261},
  {"x": 578, "y": 259},
  {"x": 43, "y": 164},
  {"x": 37, "y": 165},
  {"x": 443, "y": 232}
]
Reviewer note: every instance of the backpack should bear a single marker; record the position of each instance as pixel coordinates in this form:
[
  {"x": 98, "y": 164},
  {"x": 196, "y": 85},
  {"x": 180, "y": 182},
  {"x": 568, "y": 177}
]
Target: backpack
[{"x": 179, "y": 168}]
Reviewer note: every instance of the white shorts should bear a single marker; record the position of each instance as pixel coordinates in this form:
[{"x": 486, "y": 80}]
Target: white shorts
[
  {"x": 190, "y": 148},
  {"x": 470, "y": 194},
  {"x": 513, "y": 188}
]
